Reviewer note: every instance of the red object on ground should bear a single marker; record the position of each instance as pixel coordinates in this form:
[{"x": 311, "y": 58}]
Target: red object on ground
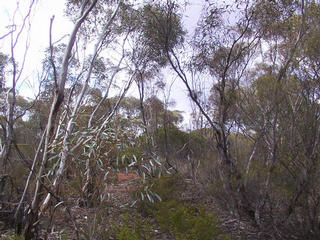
[{"x": 127, "y": 177}]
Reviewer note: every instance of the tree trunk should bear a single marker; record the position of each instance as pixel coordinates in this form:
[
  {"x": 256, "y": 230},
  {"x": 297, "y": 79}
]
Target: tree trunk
[{"x": 58, "y": 99}]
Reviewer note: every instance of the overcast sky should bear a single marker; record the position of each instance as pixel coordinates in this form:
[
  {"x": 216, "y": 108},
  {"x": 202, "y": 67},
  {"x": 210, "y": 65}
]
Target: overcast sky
[
  {"x": 39, "y": 34},
  {"x": 39, "y": 40}
]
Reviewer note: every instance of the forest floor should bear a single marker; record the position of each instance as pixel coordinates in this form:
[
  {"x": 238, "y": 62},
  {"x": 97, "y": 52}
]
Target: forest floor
[
  {"x": 113, "y": 217},
  {"x": 102, "y": 222},
  {"x": 89, "y": 220}
]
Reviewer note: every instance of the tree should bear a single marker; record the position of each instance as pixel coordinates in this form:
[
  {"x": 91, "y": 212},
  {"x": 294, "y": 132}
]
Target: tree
[
  {"x": 57, "y": 101},
  {"x": 3, "y": 63},
  {"x": 224, "y": 54},
  {"x": 251, "y": 72},
  {"x": 58, "y": 141}
]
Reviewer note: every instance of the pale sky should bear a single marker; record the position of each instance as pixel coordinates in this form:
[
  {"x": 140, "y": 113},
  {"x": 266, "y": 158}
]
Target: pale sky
[{"x": 39, "y": 35}]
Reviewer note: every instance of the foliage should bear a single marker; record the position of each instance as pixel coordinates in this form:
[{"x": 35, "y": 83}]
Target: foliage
[
  {"x": 169, "y": 216},
  {"x": 172, "y": 138},
  {"x": 96, "y": 224},
  {"x": 161, "y": 30},
  {"x": 187, "y": 222},
  {"x": 252, "y": 73},
  {"x": 3, "y": 63},
  {"x": 182, "y": 220},
  {"x": 166, "y": 187},
  {"x": 11, "y": 236},
  {"x": 134, "y": 228}
]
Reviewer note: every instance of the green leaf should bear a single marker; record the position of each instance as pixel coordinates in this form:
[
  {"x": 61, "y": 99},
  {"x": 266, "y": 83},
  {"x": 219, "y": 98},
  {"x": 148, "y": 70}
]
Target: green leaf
[
  {"x": 151, "y": 163},
  {"x": 150, "y": 198},
  {"x": 106, "y": 175},
  {"x": 131, "y": 164},
  {"x": 148, "y": 169},
  {"x": 157, "y": 196},
  {"x": 157, "y": 161},
  {"x": 143, "y": 177},
  {"x": 134, "y": 203}
]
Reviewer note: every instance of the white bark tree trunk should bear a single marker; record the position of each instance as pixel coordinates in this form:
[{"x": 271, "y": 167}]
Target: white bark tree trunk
[{"x": 58, "y": 99}]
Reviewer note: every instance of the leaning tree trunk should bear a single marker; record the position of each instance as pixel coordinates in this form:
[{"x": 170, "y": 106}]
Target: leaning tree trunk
[
  {"x": 32, "y": 217},
  {"x": 66, "y": 140}
]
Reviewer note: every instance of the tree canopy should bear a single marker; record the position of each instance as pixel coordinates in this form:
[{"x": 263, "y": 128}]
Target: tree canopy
[{"x": 105, "y": 106}]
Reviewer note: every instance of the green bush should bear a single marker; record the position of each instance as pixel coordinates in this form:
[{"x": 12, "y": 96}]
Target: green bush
[
  {"x": 184, "y": 221},
  {"x": 171, "y": 216},
  {"x": 127, "y": 233},
  {"x": 11, "y": 236},
  {"x": 136, "y": 228},
  {"x": 167, "y": 188}
]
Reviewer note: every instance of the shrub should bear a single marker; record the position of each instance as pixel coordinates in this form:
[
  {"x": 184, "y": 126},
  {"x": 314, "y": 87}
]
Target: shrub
[
  {"x": 11, "y": 236},
  {"x": 185, "y": 221},
  {"x": 182, "y": 220},
  {"x": 134, "y": 229},
  {"x": 166, "y": 188}
]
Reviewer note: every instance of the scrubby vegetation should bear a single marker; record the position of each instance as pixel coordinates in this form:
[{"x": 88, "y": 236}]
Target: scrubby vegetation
[
  {"x": 172, "y": 216},
  {"x": 103, "y": 152}
]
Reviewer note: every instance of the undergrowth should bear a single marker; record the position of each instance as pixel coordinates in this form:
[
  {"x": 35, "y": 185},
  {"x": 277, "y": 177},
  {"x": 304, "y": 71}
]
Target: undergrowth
[
  {"x": 11, "y": 236},
  {"x": 171, "y": 216}
]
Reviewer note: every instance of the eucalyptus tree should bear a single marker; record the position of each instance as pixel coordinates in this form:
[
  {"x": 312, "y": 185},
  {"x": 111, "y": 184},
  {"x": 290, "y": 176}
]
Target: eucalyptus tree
[
  {"x": 60, "y": 82},
  {"x": 258, "y": 65},
  {"x": 10, "y": 78},
  {"x": 282, "y": 109},
  {"x": 266, "y": 106},
  {"x": 13, "y": 106},
  {"x": 223, "y": 53},
  {"x": 226, "y": 53},
  {"x": 106, "y": 24}
]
